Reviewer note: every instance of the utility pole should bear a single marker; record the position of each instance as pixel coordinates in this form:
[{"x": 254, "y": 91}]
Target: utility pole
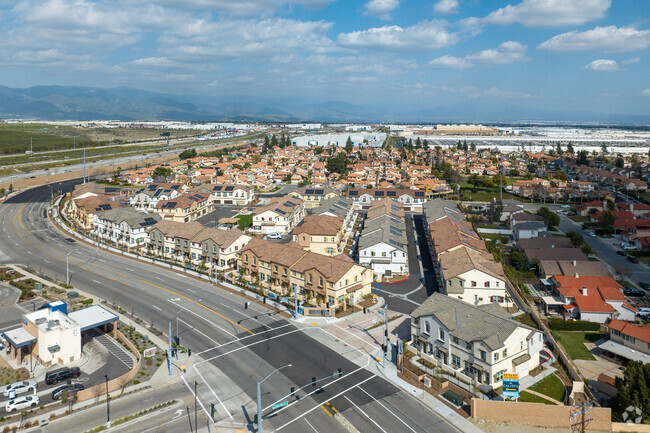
[
  {"x": 385, "y": 333},
  {"x": 196, "y": 424},
  {"x": 113, "y": 163},
  {"x": 84, "y": 165},
  {"x": 579, "y": 417}
]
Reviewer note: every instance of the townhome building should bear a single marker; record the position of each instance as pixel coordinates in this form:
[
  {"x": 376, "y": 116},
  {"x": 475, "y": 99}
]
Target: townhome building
[
  {"x": 321, "y": 234},
  {"x": 480, "y": 342},
  {"x": 411, "y": 199},
  {"x": 287, "y": 268},
  {"x": 383, "y": 243},
  {"x": 217, "y": 249},
  {"x": 280, "y": 215},
  {"x": 82, "y": 210},
  {"x": 337, "y": 207},
  {"x": 146, "y": 199},
  {"x": 184, "y": 208},
  {"x": 171, "y": 239},
  {"x": 313, "y": 196},
  {"x": 124, "y": 226}
]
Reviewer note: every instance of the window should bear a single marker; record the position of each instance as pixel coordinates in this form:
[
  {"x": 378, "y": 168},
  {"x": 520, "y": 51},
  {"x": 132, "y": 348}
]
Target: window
[
  {"x": 310, "y": 279},
  {"x": 330, "y": 300},
  {"x": 487, "y": 284},
  {"x": 616, "y": 332},
  {"x": 473, "y": 283},
  {"x": 499, "y": 375},
  {"x": 372, "y": 253},
  {"x": 276, "y": 268},
  {"x": 455, "y": 340},
  {"x": 468, "y": 346},
  {"x": 521, "y": 345},
  {"x": 497, "y": 284},
  {"x": 441, "y": 334},
  {"x": 455, "y": 361},
  {"x": 383, "y": 253},
  {"x": 330, "y": 250},
  {"x": 482, "y": 354},
  {"x": 505, "y": 352},
  {"x": 449, "y": 283},
  {"x": 496, "y": 356},
  {"x": 320, "y": 281},
  {"x": 427, "y": 328}
]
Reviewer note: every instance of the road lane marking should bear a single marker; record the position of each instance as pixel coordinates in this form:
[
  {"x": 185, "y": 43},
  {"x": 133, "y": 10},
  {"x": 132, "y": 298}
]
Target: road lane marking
[
  {"x": 204, "y": 318},
  {"x": 157, "y": 308},
  {"x": 367, "y": 416},
  {"x": 29, "y": 252},
  {"x": 190, "y": 290},
  {"x": 213, "y": 393},
  {"x": 46, "y": 261},
  {"x": 96, "y": 282},
  {"x": 311, "y": 425},
  {"x": 193, "y": 328},
  {"x": 326, "y": 411},
  {"x": 198, "y": 399},
  {"x": 251, "y": 344},
  {"x": 241, "y": 339},
  {"x": 386, "y": 409},
  {"x": 332, "y": 407},
  {"x": 317, "y": 406},
  {"x": 128, "y": 269}
]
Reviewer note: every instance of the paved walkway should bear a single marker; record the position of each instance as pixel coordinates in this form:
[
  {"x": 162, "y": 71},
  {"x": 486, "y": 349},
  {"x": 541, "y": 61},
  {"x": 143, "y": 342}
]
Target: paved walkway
[{"x": 545, "y": 397}]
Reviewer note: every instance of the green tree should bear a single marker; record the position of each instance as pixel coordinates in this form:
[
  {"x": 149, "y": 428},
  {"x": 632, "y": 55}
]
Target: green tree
[
  {"x": 337, "y": 164},
  {"x": 473, "y": 180},
  {"x": 633, "y": 389},
  {"x": 518, "y": 260},
  {"x": 267, "y": 143},
  {"x": 283, "y": 141},
  {"x": 582, "y": 158},
  {"x": 576, "y": 238},
  {"x": 494, "y": 210},
  {"x": 473, "y": 146},
  {"x": 187, "y": 154},
  {"x": 559, "y": 149},
  {"x": 274, "y": 141},
  {"x": 162, "y": 173},
  {"x": 349, "y": 145},
  {"x": 418, "y": 143},
  {"x": 550, "y": 218},
  {"x": 569, "y": 148},
  {"x": 606, "y": 222}
]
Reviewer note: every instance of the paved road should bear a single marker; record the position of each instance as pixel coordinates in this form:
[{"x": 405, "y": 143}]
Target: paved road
[
  {"x": 405, "y": 296},
  {"x": 232, "y": 348}
]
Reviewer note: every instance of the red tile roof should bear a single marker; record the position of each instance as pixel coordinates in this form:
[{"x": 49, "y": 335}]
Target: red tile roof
[{"x": 639, "y": 332}]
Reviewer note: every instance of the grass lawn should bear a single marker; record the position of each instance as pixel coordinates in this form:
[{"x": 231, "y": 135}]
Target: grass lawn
[
  {"x": 526, "y": 320},
  {"x": 579, "y": 218},
  {"x": 551, "y": 386},
  {"x": 593, "y": 259},
  {"x": 574, "y": 343},
  {"x": 527, "y": 397}
]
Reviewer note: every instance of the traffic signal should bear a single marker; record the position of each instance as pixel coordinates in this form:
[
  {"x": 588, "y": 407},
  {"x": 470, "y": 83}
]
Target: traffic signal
[
  {"x": 293, "y": 390},
  {"x": 264, "y": 299},
  {"x": 177, "y": 341},
  {"x": 340, "y": 372},
  {"x": 313, "y": 381},
  {"x": 246, "y": 305},
  {"x": 189, "y": 352}
]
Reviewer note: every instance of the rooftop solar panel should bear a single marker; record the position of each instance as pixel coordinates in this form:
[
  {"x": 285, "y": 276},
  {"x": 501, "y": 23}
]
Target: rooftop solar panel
[
  {"x": 419, "y": 193},
  {"x": 217, "y": 188},
  {"x": 353, "y": 193},
  {"x": 394, "y": 242},
  {"x": 230, "y": 188},
  {"x": 319, "y": 191},
  {"x": 391, "y": 193},
  {"x": 280, "y": 211},
  {"x": 309, "y": 191},
  {"x": 379, "y": 193}
]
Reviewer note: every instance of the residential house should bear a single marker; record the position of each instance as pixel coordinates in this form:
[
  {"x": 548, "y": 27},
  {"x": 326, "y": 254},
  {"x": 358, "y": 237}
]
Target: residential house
[
  {"x": 313, "y": 196},
  {"x": 632, "y": 336},
  {"x": 185, "y": 208},
  {"x": 410, "y": 199},
  {"x": 146, "y": 199},
  {"x": 481, "y": 342},
  {"x": 530, "y": 229},
  {"x": 82, "y": 210},
  {"x": 217, "y": 249},
  {"x": 240, "y": 195},
  {"x": 171, "y": 239},
  {"x": 280, "y": 215},
  {"x": 321, "y": 234}
]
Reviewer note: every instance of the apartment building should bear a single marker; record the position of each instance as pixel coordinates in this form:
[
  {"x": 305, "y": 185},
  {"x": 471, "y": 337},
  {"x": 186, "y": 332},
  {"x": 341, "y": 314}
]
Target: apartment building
[
  {"x": 184, "y": 208},
  {"x": 280, "y": 215},
  {"x": 482, "y": 342},
  {"x": 285, "y": 268},
  {"x": 124, "y": 226},
  {"x": 322, "y": 234}
]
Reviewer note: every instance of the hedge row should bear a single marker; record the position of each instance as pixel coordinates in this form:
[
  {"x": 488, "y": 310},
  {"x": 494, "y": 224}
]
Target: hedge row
[{"x": 572, "y": 325}]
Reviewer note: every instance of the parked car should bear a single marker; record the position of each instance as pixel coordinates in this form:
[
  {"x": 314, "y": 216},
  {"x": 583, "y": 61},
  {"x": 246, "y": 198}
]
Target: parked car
[
  {"x": 633, "y": 291},
  {"x": 54, "y": 377},
  {"x": 627, "y": 246},
  {"x": 20, "y": 387},
  {"x": 273, "y": 236},
  {"x": 22, "y": 403},
  {"x": 72, "y": 389},
  {"x": 632, "y": 259},
  {"x": 591, "y": 234},
  {"x": 645, "y": 285},
  {"x": 621, "y": 252}
]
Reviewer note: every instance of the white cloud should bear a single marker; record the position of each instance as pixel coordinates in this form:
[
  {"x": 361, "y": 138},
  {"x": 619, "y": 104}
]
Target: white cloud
[
  {"x": 424, "y": 36},
  {"x": 550, "y": 13},
  {"x": 632, "y": 60},
  {"x": 608, "y": 39},
  {"x": 450, "y": 62},
  {"x": 646, "y": 92},
  {"x": 507, "y": 52},
  {"x": 381, "y": 8},
  {"x": 237, "y": 7},
  {"x": 602, "y": 65},
  {"x": 446, "y": 6}
]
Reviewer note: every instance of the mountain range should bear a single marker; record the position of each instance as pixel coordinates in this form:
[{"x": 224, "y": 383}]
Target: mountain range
[{"x": 128, "y": 104}]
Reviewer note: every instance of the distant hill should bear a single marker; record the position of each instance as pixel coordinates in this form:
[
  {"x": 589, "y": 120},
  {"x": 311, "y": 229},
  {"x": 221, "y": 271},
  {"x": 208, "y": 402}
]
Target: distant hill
[{"x": 128, "y": 104}]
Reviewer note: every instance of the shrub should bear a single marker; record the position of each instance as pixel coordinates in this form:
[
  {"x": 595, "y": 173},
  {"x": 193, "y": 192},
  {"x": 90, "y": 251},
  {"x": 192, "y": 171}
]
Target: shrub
[
  {"x": 87, "y": 301},
  {"x": 572, "y": 325}
]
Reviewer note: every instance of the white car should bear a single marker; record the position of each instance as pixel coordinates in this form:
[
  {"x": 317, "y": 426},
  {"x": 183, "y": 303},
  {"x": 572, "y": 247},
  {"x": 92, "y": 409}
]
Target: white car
[
  {"x": 591, "y": 234},
  {"x": 22, "y": 403},
  {"x": 627, "y": 246},
  {"x": 273, "y": 236},
  {"x": 20, "y": 387}
]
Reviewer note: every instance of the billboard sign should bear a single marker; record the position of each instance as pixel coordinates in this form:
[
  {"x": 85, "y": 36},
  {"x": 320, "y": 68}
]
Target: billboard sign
[{"x": 510, "y": 385}]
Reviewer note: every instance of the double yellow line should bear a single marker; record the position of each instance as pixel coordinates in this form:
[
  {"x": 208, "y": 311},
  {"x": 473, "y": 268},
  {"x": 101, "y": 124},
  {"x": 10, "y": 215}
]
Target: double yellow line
[{"x": 20, "y": 212}]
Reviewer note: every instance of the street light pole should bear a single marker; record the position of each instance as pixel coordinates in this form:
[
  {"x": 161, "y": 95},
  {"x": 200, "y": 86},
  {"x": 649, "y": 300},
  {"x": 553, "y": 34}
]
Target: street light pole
[
  {"x": 108, "y": 405},
  {"x": 196, "y": 424},
  {"x": 67, "y": 267},
  {"x": 177, "y": 340},
  {"x": 259, "y": 397}
]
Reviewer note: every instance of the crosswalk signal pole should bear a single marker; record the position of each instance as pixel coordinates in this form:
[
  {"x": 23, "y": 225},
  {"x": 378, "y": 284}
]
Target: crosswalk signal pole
[{"x": 169, "y": 354}]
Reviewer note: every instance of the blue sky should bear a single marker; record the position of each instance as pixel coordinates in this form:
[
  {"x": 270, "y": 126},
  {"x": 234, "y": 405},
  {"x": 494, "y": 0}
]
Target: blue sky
[{"x": 568, "y": 55}]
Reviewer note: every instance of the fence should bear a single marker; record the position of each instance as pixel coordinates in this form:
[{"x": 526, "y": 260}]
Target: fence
[
  {"x": 118, "y": 382},
  {"x": 538, "y": 414}
]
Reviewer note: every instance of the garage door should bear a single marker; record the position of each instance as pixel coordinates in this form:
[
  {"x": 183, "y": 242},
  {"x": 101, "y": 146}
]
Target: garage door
[{"x": 522, "y": 370}]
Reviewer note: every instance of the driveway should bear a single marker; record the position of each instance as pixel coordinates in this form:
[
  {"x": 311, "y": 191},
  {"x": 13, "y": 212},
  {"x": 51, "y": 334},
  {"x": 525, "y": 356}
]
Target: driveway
[
  {"x": 220, "y": 211},
  {"x": 405, "y": 296}
]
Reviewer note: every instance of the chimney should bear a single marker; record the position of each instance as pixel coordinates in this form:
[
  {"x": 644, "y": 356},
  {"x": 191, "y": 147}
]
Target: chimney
[
  {"x": 632, "y": 207},
  {"x": 552, "y": 245},
  {"x": 584, "y": 291},
  {"x": 576, "y": 275},
  {"x": 575, "y": 263}
]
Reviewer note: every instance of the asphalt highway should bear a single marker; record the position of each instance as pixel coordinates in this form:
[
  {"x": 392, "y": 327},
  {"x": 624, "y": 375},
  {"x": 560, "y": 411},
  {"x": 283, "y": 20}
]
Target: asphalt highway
[{"x": 232, "y": 347}]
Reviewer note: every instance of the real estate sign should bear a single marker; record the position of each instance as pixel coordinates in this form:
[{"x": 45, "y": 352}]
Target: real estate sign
[{"x": 510, "y": 385}]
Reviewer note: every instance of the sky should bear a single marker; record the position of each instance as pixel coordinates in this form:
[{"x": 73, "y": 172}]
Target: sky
[{"x": 390, "y": 55}]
